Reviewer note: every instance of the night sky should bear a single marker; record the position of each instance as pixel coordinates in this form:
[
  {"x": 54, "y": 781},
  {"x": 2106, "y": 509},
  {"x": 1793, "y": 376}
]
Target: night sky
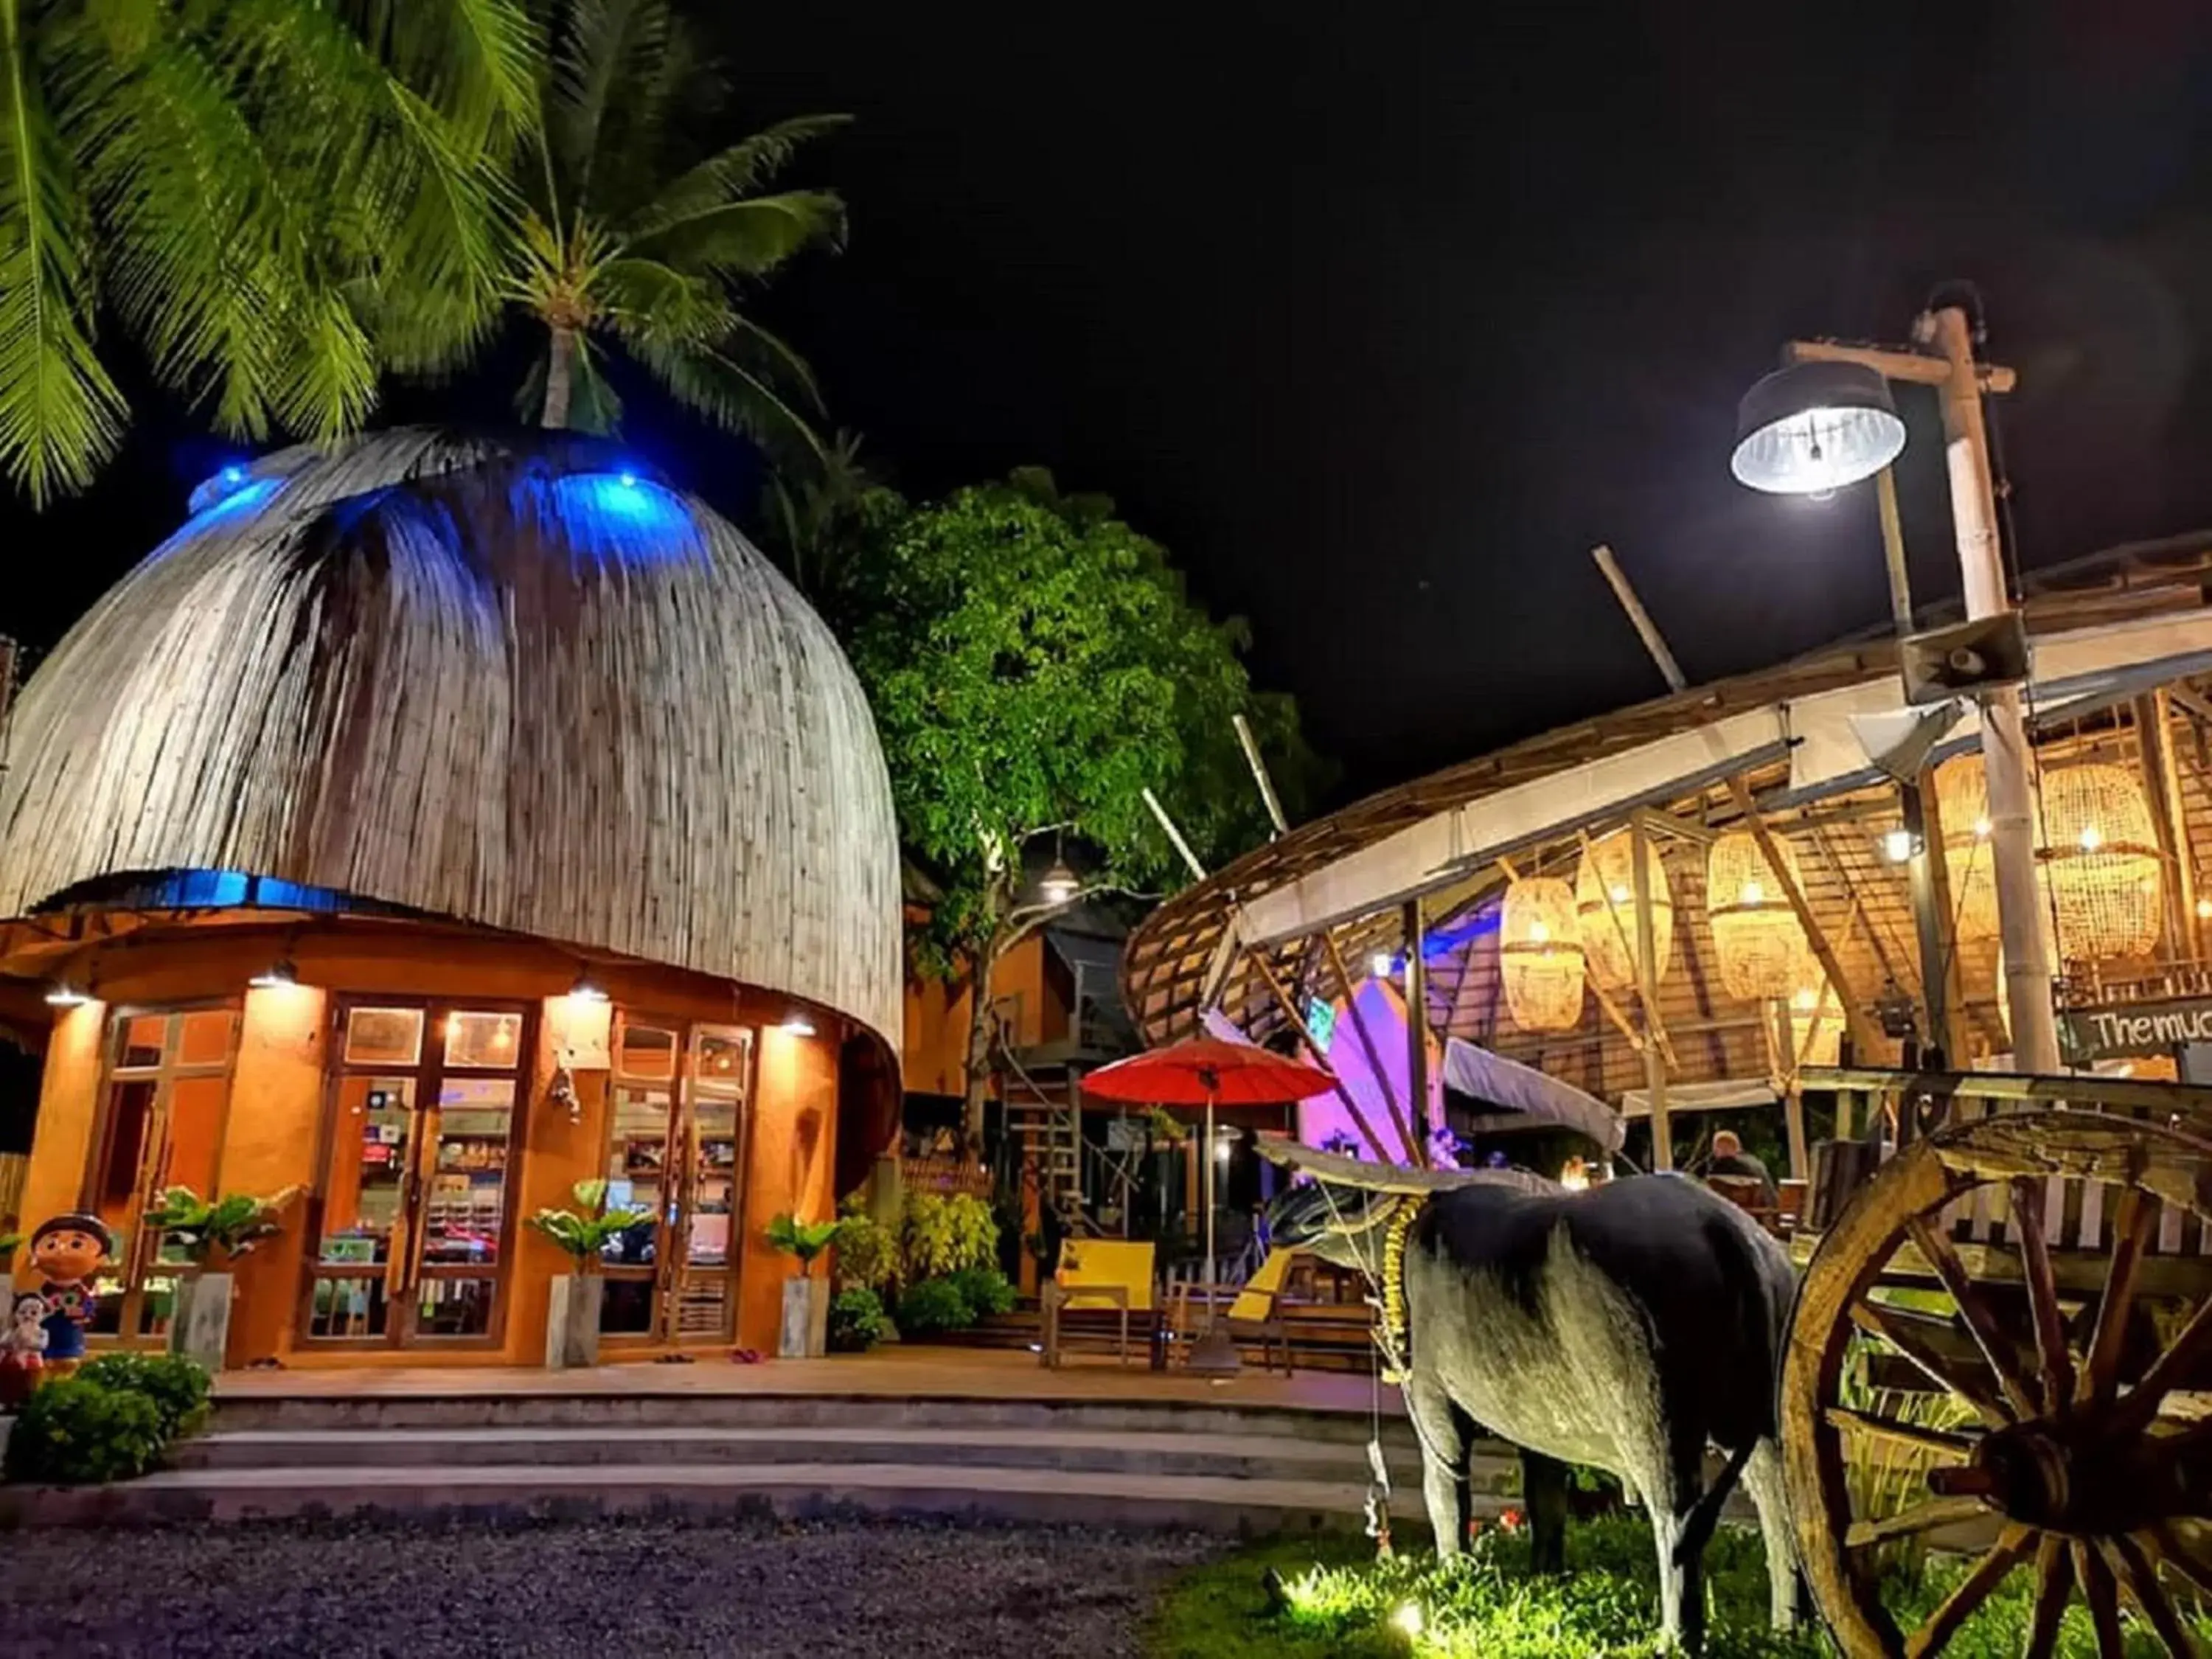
[{"x": 1379, "y": 318}]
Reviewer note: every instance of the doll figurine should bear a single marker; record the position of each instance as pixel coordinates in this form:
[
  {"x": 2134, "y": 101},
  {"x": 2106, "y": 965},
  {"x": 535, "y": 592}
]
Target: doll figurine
[
  {"x": 68, "y": 1249},
  {"x": 23, "y": 1350}
]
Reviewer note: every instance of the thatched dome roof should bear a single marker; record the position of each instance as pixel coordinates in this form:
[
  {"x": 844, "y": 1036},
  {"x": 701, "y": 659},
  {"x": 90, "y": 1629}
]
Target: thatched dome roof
[{"x": 506, "y": 681}]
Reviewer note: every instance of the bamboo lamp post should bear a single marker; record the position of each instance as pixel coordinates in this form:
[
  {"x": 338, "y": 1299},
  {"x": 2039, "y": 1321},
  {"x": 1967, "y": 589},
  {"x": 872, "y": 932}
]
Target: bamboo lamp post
[{"x": 1827, "y": 420}]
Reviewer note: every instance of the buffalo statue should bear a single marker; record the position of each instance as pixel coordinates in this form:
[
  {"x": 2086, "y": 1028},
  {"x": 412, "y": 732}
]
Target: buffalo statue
[{"x": 1632, "y": 1327}]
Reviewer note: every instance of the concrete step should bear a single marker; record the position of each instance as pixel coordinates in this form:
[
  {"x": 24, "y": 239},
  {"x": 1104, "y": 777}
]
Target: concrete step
[
  {"x": 1249, "y": 1457},
  {"x": 678, "y": 1408},
  {"x": 787, "y": 1490}
]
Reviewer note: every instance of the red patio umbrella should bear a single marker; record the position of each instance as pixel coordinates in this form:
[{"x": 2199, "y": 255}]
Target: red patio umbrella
[{"x": 1207, "y": 1071}]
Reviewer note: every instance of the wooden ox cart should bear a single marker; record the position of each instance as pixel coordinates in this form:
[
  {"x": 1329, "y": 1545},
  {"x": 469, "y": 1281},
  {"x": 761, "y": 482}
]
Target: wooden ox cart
[{"x": 2002, "y": 1345}]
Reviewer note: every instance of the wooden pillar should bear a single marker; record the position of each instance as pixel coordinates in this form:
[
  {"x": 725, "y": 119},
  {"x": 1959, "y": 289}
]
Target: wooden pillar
[
  {"x": 1417, "y": 1023},
  {"x": 2170, "y": 815},
  {"x": 1416, "y": 1150},
  {"x": 1647, "y": 994}
]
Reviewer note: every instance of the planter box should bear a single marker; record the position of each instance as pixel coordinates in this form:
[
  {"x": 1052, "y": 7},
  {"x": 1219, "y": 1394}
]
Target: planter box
[
  {"x": 200, "y": 1329},
  {"x": 572, "y": 1321},
  {"x": 804, "y": 1333}
]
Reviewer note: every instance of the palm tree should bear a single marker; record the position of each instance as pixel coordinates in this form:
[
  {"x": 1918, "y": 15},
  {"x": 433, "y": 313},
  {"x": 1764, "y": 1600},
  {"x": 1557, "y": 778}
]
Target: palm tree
[
  {"x": 625, "y": 240},
  {"x": 274, "y": 198}
]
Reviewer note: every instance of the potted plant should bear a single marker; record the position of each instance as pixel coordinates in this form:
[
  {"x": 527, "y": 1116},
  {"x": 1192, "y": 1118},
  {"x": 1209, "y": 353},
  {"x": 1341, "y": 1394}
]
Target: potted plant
[
  {"x": 571, "y": 1320},
  {"x": 806, "y": 1330},
  {"x": 209, "y": 1235}
]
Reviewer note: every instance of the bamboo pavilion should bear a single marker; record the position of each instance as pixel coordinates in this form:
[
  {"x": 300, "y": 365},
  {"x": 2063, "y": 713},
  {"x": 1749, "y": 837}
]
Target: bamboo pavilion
[
  {"x": 435, "y": 822},
  {"x": 1771, "y": 921}
]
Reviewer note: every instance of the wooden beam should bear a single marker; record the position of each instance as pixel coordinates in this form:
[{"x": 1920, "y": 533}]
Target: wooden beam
[
  {"x": 1313, "y": 1049},
  {"x": 1864, "y": 1037},
  {"x": 1647, "y": 994},
  {"x": 1676, "y": 825},
  {"x": 1416, "y": 1019},
  {"x": 2190, "y": 704},
  {"x": 1894, "y": 363},
  {"x": 1416, "y": 1153},
  {"x": 1952, "y": 1036},
  {"x": 2163, "y": 764}
]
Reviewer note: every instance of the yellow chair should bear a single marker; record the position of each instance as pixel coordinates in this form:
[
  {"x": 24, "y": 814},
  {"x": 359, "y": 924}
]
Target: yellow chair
[
  {"x": 1253, "y": 1317},
  {"x": 1098, "y": 1272}
]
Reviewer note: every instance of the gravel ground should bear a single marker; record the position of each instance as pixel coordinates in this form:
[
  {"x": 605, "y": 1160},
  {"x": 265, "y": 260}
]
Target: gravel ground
[{"x": 661, "y": 1587}]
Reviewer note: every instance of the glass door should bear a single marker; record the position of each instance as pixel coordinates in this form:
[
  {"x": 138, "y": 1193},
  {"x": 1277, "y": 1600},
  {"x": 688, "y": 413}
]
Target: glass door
[
  {"x": 644, "y": 1171},
  {"x": 676, "y": 1122},
  {"x": 168, "y": 1085},
  {"x": 415, "y": 1218}
]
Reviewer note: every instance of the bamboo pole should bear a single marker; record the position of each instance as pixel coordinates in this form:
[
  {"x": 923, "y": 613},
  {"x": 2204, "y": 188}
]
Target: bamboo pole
[
  {"x": 1416, "y": 1153},
  {"x": 1313, "y": 1049},
  {"x": 1251, "y": 747},
  {"x": 1863, "y": 1036},
  {"x": 1646, "y": 629},
  {"x": 1647, "y": 993},
  {"x": 1417, "y": 1020},
  {"x": 2170, "y": 815},
  {"x": 1174, "y": 836}
]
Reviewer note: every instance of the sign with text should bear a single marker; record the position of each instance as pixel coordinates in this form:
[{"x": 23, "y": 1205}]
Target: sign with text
[{"x": 2137, "y": 1028}]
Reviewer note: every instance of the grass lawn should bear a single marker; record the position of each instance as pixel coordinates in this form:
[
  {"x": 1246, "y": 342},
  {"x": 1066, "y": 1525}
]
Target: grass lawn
[{"x": 1343, "y": 1604}]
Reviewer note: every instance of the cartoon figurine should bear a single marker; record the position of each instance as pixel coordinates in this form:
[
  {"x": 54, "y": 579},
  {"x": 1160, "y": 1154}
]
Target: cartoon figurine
[
  {"x": 23, "y": 1351},
  {"x": 68, "y": 1249}
]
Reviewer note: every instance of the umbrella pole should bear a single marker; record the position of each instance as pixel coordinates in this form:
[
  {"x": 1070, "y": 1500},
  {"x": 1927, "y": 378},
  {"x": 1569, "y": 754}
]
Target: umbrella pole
[{"x": 1210, "y": 1314}]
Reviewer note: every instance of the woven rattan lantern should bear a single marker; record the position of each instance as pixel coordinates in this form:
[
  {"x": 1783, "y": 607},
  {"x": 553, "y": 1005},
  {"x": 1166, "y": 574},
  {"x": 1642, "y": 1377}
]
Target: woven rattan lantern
[
  {"x": 1756, "y": 936},
  {"x": 1540, "y": 958},
  {"x": 1605, "y": 910},
  {"x": 1962, "y": 801},
  {"x": 2100, "y": 863}
]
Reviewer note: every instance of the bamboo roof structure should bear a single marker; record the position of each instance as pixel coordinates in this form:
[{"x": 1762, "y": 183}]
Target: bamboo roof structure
[
  {"x": 521, "y": 683},
  {"x": 1275, "y": 928}
]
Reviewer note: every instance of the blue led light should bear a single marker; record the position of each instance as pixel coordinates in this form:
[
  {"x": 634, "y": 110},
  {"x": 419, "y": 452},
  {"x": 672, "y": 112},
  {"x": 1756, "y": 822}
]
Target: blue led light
[{"x": 629, "y": 480}]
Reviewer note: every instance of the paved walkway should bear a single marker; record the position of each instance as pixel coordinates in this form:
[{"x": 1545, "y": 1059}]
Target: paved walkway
[{"x": 902, "y": 1372}]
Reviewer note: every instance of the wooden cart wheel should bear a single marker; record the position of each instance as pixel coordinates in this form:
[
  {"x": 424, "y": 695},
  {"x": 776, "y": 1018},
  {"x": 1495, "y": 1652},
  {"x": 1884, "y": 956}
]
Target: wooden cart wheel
[{"x": 2067, "y": 1449}]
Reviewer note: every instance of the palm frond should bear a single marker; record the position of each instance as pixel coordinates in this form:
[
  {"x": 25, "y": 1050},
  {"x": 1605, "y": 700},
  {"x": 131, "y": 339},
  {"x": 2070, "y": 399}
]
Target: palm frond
[
  {"x": 767, "y": 353},
  {"x": 748, "y": 238},
  {"x": 646, "y": 297},
  {"x": 734, "y": 173},
  {"x": 726, "y": 392},
  {"x": 476, "y": 61},
  {"x": 60, "y": 414},
  {"x": 600, "y": 49}
]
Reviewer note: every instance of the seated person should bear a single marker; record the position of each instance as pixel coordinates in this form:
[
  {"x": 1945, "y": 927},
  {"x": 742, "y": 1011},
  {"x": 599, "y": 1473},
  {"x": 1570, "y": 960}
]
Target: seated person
[{"x": 1728, "y": 1159}]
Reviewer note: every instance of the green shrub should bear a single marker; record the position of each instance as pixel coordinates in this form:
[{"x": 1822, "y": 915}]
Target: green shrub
[
  {"x": 73, "y": 1431},
  {"x": 985, "y": 1290},
  {"x": 177, "y": 1388},
  {"x": 934, "y": 1305},
  {"x": 867, "y": 1250},
  {"x": 943, "y": 1235},
  {"x": 857, "y": 1320}
]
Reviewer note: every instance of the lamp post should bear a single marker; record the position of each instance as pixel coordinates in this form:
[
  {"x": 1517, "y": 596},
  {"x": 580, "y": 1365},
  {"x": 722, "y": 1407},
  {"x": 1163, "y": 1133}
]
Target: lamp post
[{"x": 1827, "y": 420}]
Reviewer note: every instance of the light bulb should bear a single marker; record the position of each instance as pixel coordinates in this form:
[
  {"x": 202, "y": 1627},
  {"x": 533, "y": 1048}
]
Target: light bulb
[
  {"x": 2091, "y": 838},
  {"x": 2204, "y": 909},
  {"x": 1538, "y": 933},
  {"x": 1381, "y": 964},
  {"x": 1753, "y": 893},
  {"x": 1897, "y": 844},
  {"x": 1408, "y": 1618},
  {"x": 1981, "y": 828},
  {"x": 1806, "y": 1001},
  {"x": 1619, "y": 894}
]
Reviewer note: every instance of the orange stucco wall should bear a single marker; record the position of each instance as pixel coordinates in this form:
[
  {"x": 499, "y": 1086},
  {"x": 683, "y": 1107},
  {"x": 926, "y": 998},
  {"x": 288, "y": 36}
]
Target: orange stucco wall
[
  {"x": 274, "y": 1130},
  {"x": 935, "y": 1060},
  {"x": 68, "y": 1101},
  {"x": 793, "y": 1152}
]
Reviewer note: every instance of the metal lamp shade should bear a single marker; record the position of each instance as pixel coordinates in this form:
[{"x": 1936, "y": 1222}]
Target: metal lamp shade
[{"x": 1814, "y": 427}]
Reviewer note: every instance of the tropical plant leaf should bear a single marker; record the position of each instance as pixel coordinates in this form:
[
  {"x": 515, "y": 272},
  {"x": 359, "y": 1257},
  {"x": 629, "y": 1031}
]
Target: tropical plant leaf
[
  {"x": 750, "y": 237},
  {"x": 706, "y": 379},
  {"x": 60, "y": 414},
  {"x": 733, "y": 174}
]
